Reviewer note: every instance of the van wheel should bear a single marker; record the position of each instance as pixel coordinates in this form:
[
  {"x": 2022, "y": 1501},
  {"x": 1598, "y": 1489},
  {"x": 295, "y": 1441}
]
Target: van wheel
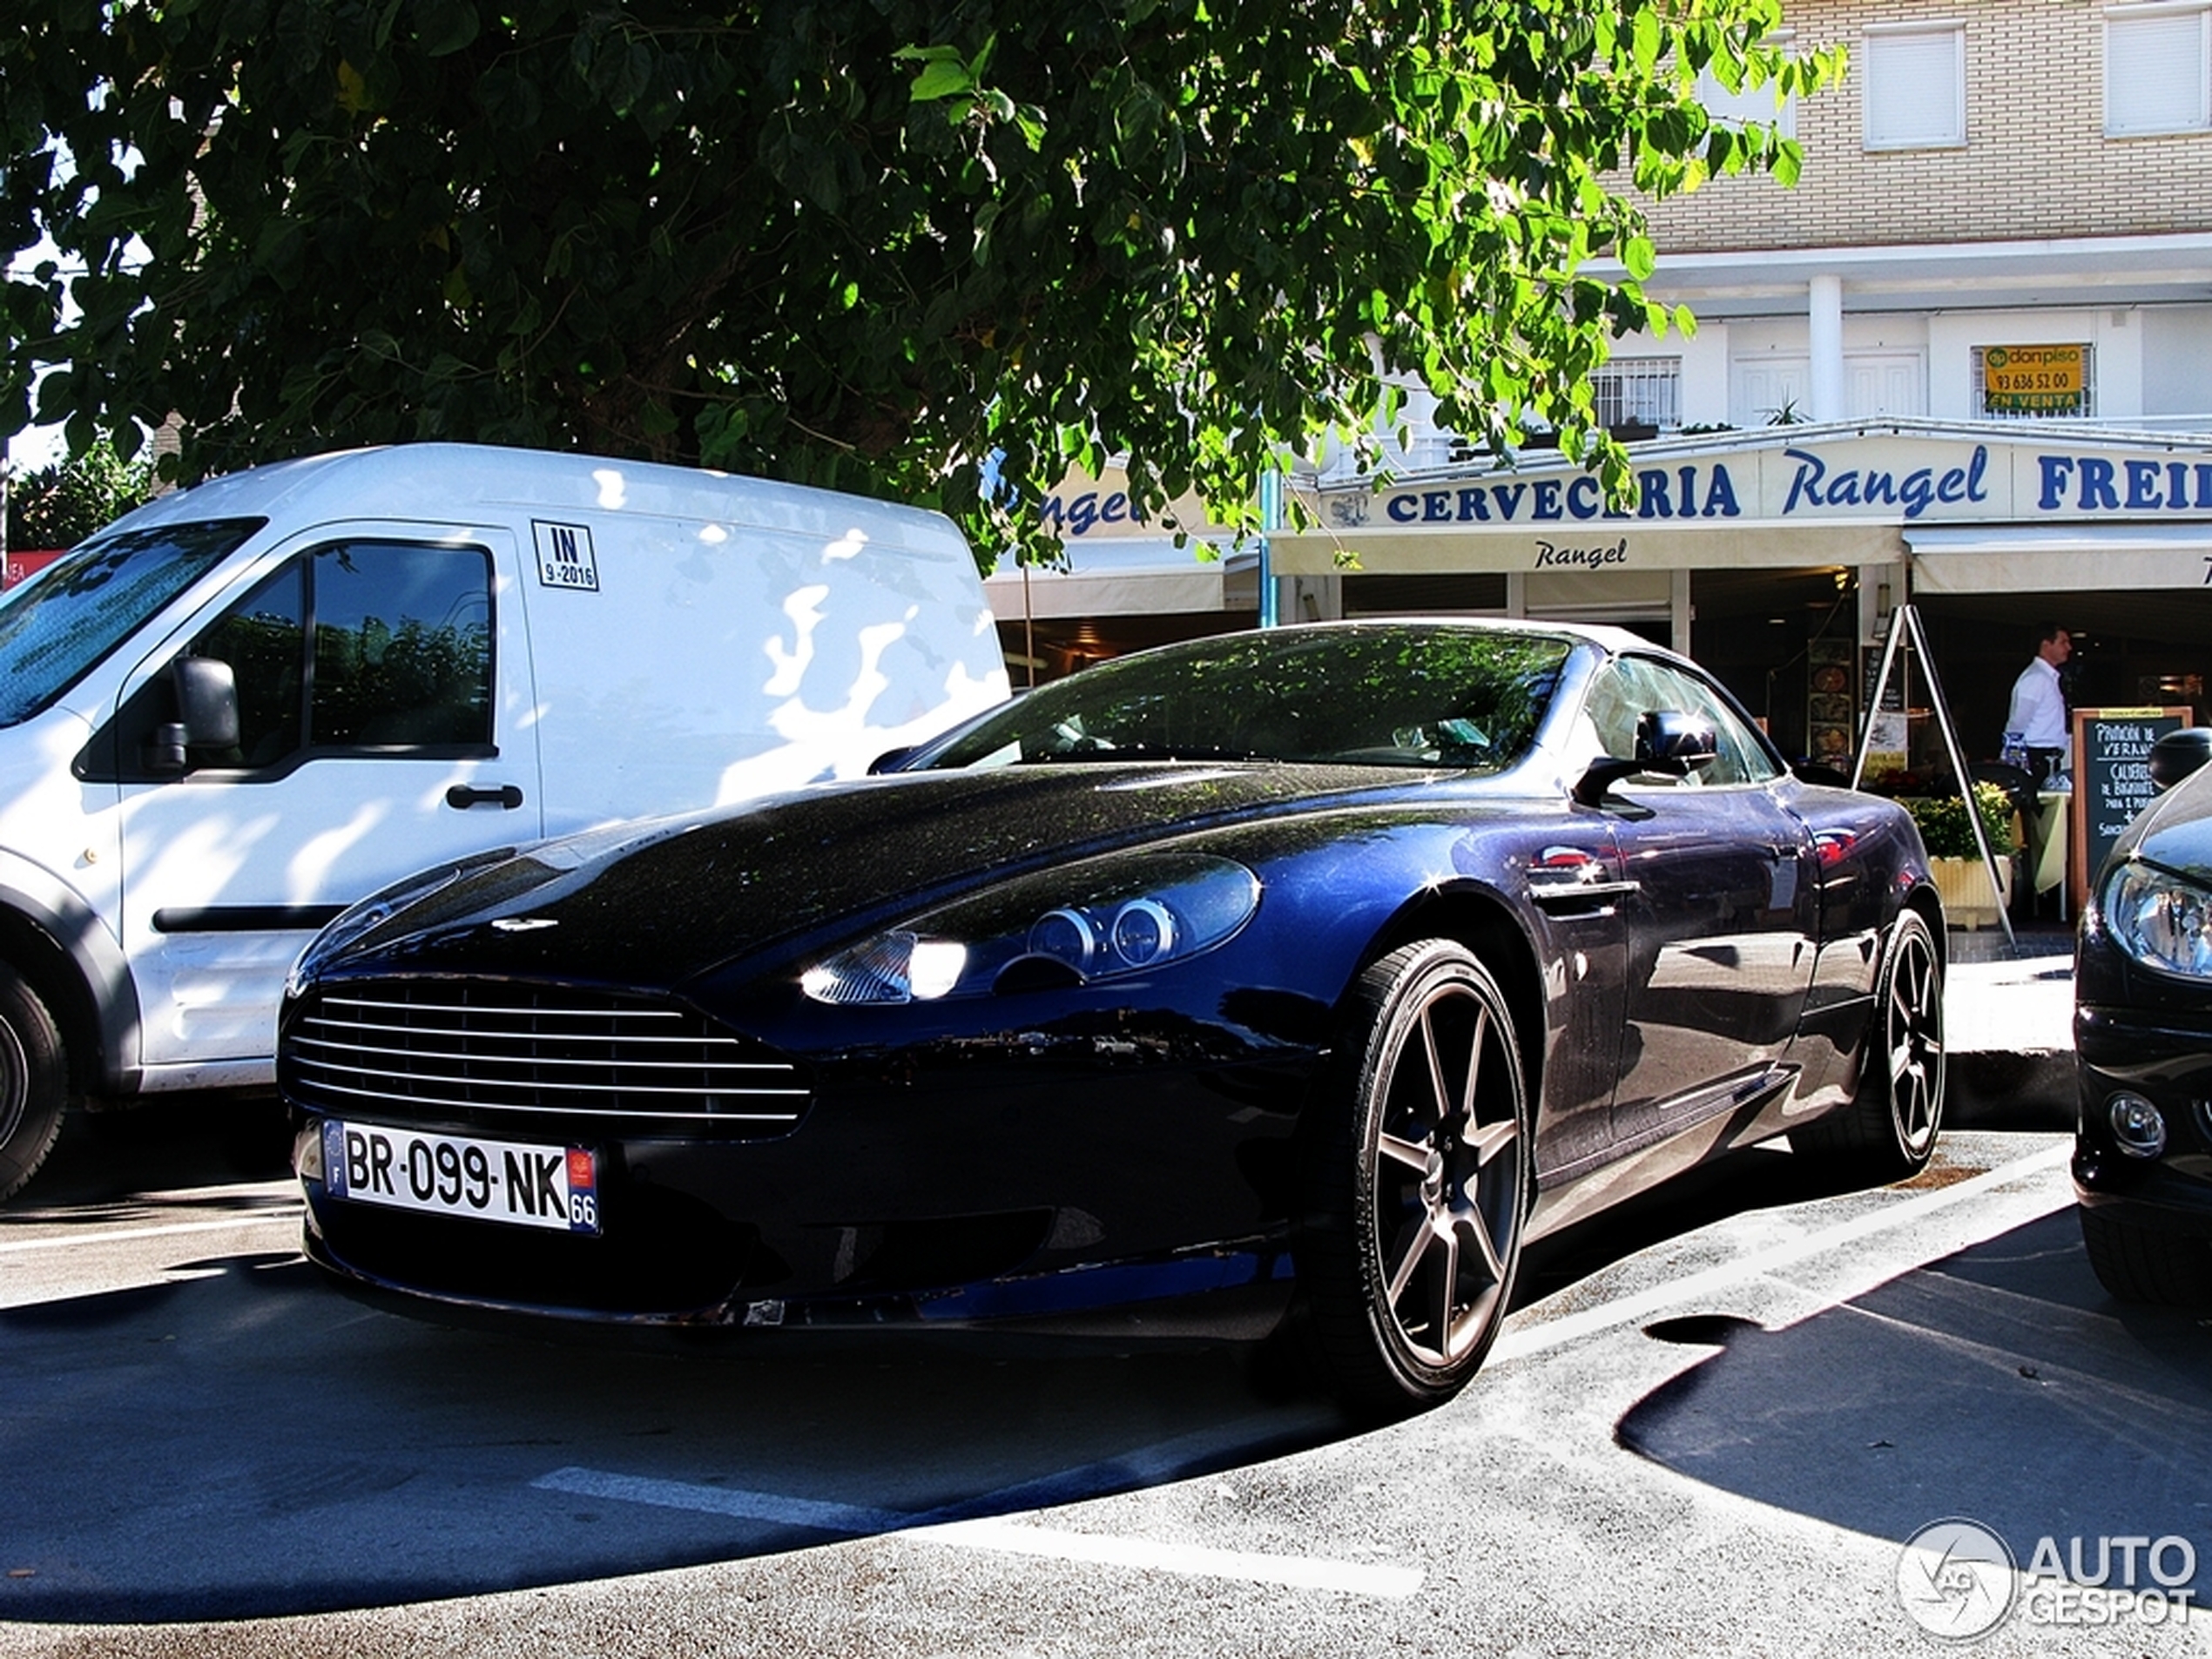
[
  {"x": 1417, "y": 1183},
  {"x": 1889, "y": 1130},
  {"x": 34, "y": 1082}
]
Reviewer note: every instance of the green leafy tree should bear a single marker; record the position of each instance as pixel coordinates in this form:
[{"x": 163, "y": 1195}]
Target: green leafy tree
[
  {"x": 60, "y": 505},
  {"x": 872, "y": 243}
]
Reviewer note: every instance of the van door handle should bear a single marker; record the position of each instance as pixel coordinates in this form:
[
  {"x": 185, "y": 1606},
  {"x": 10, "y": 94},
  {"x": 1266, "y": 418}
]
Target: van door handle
[{"x": 463, "y": 796}]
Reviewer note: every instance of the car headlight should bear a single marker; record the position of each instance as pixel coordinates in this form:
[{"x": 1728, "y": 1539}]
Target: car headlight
[
  {"x": 2161, "y": 920},
  {"x": 1103, "y": 918}
]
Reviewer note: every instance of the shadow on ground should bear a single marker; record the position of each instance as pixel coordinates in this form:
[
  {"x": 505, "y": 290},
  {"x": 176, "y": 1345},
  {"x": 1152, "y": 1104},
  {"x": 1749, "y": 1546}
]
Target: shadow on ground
[
  {"x": 241, "y": 1440},
  {"x": 2000, "y": 1384}
]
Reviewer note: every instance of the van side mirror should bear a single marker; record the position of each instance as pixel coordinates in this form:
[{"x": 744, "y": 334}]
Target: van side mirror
[
  {"x": 2178, "y": 754},
  {"x": 206, "y": 693},
  {"x": 206, "y": 701}
]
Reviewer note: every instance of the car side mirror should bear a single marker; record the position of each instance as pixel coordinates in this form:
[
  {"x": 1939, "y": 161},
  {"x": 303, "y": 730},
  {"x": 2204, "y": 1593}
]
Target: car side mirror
[
  {"x": 1668, "y": 742},
  {"x": 2178, "y": 754},
  {"x": 1676, "y": 744},
  {"x": 889, "y": 760},
  {"x": 206, "y": 693}
]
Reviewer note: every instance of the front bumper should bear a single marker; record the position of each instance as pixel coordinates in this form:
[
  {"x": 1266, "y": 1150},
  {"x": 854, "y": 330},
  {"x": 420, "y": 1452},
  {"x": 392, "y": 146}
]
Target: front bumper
[
  {"x": 2167, "y": 1059},
  {"x": 1032, "y": 1188}
]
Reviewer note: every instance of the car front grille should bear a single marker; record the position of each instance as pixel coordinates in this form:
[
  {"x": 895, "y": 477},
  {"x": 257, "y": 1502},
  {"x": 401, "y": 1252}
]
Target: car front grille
[{"x": 499, "y": 1052}]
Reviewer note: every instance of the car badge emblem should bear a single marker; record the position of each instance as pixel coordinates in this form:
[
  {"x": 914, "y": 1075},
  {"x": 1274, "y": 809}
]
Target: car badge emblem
[{"x": 524, "y": 924}]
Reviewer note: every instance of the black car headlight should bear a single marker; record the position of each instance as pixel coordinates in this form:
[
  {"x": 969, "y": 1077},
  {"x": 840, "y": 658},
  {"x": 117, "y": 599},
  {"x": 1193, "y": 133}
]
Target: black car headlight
[
  {"x": 1103, "y": 918},
  {"x": 2162, "y": 920}
]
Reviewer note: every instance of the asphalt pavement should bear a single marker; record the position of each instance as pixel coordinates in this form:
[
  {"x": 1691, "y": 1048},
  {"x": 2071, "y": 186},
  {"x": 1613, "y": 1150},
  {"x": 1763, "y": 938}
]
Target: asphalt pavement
[{"x": 1712, "y": 1423}]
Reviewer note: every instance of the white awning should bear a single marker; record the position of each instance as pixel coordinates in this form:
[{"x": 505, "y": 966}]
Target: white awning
[
  {"x": 1608, "y": 545},
  {"x": 2055, "y": 558},
  {"x": 1127, "y": 576}
]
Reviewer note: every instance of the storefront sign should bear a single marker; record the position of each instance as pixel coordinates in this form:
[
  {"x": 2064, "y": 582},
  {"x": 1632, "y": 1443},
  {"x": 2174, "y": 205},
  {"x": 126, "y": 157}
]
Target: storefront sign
[
  {"x": 1895, "y": 477},
  {"x": 1912, "y": 493},
  {"x": 1705, "y": 491},
  {"x": 1086, "y": 508},
  {"x": 2031, "y": 380},
  {"x": 1600, "y": 550}
]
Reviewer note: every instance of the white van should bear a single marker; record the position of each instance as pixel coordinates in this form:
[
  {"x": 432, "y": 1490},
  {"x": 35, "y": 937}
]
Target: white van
[{"x": 249, "y": 703}]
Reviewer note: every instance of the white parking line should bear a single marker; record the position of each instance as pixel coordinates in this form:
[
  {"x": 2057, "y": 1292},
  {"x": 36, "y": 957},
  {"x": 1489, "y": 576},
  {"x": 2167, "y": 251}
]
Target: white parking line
[
  {"x": 61, "y": 1241},
  {"x": 1538, "y": 1338},
  {"x": 998, "y": 1534},
  {"x": 1195, "y": 1560},
  {"x": 725, "y": 1500}
]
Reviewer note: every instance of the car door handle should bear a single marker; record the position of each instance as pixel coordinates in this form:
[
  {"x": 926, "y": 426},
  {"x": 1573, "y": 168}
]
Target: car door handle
[
  {"x": 461, "y": 797},
  {"x": 1591, "y": 896}
]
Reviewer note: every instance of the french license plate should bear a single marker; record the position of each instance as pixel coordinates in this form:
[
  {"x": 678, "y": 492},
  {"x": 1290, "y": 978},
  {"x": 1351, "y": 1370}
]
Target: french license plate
[{"x": 553, "y": 1187}]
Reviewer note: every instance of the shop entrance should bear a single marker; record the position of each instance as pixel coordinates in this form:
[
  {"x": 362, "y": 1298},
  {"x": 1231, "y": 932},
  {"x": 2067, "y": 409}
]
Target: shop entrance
[
  {"x": 2131, "y": 649},
  {"x": 1785, "y": 643}
]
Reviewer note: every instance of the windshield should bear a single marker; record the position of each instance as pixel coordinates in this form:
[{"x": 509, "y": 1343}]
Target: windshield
[
  {"x": 1385, "y": 695},
  {"x": 73, "y": 613}
]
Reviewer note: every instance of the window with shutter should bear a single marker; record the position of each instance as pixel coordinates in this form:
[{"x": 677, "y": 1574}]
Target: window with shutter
[
  {"x": 1914, "y": 85},
  {"x": 2158, "y": 68}
]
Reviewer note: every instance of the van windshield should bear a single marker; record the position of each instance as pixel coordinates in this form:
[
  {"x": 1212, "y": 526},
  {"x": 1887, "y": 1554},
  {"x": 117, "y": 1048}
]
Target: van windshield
[{"x": 64, "y": 619}]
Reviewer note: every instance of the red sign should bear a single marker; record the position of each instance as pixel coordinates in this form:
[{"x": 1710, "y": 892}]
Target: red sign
[{"x": 20, "y": 565}]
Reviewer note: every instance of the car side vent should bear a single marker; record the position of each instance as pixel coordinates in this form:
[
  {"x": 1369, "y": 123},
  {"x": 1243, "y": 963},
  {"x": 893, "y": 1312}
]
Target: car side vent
[{"x": 497, "y": 1052}]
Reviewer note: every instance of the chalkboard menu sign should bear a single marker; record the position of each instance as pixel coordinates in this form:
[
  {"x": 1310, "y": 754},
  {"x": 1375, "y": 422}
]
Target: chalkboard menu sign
[{"x": 2111, "y": 779}]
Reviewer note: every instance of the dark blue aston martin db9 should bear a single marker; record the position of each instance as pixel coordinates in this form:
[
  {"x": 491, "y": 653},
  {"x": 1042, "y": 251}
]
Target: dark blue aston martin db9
[{"x": 1307, "y": 972}]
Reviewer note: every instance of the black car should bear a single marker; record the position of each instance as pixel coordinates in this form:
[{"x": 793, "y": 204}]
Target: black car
[
  {"x": 1317, "y": 967},
  {"x": 2142, "y": 1035}
]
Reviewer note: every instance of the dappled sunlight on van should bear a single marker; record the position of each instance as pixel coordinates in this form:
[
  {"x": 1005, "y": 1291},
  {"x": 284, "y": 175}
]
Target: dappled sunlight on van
[
  {"x": 214, "y": 848},
  {"x": 308, "y": 878},
  {"x": 805, "y": 609}
]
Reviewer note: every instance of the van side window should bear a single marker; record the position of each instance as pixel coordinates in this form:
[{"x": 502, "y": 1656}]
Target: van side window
[
  {"x": 362, "y": 645},
  {"x": 263, "y": 639},
  {"x": 402, "y": 647}
]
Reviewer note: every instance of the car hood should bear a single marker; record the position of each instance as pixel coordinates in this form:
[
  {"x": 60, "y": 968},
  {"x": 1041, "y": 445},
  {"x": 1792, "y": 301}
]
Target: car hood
[
  {"x": 660, "y": 903},
  {"x": 2175, "y": 831}
]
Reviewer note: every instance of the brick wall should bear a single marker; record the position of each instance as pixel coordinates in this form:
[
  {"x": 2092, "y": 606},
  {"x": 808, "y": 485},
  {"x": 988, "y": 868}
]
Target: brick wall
[{"x": 2036, "y": 161}]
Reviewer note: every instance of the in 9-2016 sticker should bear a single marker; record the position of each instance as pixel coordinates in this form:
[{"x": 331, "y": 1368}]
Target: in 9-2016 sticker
[{"x": 565, "y": 556}]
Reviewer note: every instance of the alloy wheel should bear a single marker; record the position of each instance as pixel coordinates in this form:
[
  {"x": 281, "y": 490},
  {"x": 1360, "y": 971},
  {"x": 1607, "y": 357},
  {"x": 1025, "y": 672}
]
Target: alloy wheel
[
  {"x": 1913, "y": 1031},
  {"x": 1446, "y": 1171}
]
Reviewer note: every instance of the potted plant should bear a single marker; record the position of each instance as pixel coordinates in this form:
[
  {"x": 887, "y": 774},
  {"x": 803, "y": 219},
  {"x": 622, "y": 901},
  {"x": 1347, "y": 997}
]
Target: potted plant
[{"x": 1954, "y": 860}]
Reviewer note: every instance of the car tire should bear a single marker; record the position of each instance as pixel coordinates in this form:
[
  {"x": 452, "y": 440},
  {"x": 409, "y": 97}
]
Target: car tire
[
  {"x": 34, "y": 1082},
  {"x": 2139, "y": 1264},
  {"x": 1889, "y": 1130},
  {"x": 1417, "y": 1178}
]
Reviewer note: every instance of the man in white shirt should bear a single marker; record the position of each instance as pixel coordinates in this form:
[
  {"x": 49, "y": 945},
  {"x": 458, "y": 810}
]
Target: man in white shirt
[{"x": 2038, "y": 711}]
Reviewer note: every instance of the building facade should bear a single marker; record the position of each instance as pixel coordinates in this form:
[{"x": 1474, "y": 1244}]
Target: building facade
[
  {"x": 1965, "y": 361},
  {"x": 1996, "y": 264}
]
